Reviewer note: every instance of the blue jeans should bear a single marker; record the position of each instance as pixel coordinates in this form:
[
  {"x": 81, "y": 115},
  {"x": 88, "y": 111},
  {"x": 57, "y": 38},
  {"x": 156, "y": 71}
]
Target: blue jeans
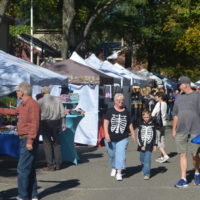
[
  {"x": 145, "y": 159},
  {"x": 27, "y": 183},
  {"x": 117, "y": 153}
]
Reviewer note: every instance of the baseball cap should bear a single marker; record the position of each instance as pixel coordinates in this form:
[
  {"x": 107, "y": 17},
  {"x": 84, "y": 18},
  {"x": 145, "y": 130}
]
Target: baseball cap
[{"x": 184, "y": 80}]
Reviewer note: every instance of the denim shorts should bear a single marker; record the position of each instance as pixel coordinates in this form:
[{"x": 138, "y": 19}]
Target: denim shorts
[{"x": 184, "y": 144}]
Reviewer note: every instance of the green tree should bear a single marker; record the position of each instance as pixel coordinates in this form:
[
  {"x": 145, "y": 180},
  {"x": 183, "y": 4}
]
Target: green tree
[{"x": 163, "y": 32}]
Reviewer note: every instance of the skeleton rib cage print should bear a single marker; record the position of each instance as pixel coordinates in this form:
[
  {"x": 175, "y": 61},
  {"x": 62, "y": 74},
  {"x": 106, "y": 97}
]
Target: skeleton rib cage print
[
  {"x": 118, "y": 123},
  {"x": 146, "y": 134}
]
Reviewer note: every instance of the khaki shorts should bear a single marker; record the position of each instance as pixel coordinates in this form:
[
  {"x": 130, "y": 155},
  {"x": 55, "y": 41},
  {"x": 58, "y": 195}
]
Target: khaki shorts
[{"x": 184, "y": 144}]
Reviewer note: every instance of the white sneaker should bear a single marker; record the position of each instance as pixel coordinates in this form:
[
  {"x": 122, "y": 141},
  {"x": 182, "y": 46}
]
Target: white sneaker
[
  {"x": 118, "y": 177},
  {"x": 113, "y": 172},
  {"x": 159, "y": 159},
  {"x": 165, "y": 158}
]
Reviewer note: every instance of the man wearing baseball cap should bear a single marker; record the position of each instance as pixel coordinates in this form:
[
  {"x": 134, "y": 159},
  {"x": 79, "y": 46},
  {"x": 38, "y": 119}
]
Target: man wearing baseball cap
[
  {"x": 186, "y": 125},
  {"x": 184, "y": 80}
]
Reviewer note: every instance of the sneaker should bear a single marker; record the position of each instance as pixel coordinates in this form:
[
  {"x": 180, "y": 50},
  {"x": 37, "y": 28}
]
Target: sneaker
[
  {"x": 197, "y": 179},
  {"x": 164, "y": 159},
  {"x": 160, "y": 159},
  {"x": 113, "y": 172},
  {"x": 181, "y": 183},
  {"x": 118, "y": 177},
  {"x": 146, "y": 177},
  {"x": 34, "y": 198}
]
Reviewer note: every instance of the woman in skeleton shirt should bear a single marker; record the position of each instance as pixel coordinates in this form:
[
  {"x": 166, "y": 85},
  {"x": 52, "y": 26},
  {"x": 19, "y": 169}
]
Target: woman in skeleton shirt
[
  {"x": 117, "y": 126},
  {"x": 146, "y": 142}
]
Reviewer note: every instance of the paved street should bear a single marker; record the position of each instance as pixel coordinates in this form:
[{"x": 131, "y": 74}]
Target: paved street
[{"x": 91, "y": 178}]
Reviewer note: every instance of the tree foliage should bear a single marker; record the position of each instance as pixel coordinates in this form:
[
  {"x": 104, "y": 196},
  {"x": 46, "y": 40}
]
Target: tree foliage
[{"x": 165, "y": 33}]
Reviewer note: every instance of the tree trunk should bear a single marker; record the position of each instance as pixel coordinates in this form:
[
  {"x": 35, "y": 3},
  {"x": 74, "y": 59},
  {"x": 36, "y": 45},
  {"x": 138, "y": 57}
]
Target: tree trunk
[
  {"x": 92, "y": 19},
  {"x": 68, "y": 16},
  {"x": 3, "y": 8},
  {"x": 150, "y": 58}
]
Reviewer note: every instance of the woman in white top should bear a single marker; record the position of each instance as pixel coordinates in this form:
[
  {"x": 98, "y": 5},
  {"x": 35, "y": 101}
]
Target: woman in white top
[{"x": 161, "y": 105}]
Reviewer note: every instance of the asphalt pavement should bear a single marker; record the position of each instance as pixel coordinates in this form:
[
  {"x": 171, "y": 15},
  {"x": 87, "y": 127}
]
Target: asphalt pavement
[{"x": 90, "y": 179}]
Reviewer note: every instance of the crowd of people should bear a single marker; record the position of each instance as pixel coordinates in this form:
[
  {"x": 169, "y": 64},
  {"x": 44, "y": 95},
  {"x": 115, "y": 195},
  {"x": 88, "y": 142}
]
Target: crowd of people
[
  {"x": 47, "y": 115},
  {"x": 183, "y": 107}
]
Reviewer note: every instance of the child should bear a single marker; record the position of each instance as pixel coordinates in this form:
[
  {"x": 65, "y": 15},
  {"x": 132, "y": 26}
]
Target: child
[{"x": 146, "y": 142}]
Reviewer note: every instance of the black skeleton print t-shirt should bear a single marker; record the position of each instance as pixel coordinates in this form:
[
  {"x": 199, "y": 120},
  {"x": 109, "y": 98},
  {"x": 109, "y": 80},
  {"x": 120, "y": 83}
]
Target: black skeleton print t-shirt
[
  {"x": 119, "y": 122},
  {"x": 146, "y": 136}
]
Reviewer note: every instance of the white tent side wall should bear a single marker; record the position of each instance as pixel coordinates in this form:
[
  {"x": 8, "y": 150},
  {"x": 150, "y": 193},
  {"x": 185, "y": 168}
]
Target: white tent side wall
[{"x": 87, "y": 129}]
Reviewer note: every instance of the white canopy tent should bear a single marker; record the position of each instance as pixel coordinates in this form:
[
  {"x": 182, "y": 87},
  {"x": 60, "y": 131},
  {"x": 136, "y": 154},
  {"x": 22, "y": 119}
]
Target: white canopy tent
[
  {"x": 135, "y": 79},
  {"x": 14, "y": 70},
  {"x": 198, "y": 83},
  {"x": 194, "y": 85},
  {"x": 103, "y": 66},
  {"x": 145, "y": 73},
  {"x": 115, "y": 70}
]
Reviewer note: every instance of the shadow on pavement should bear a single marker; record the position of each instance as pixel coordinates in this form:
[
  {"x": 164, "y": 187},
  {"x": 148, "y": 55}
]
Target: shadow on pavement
[
  {"x": 61, "y": 186},
  {"x": 132, "y": 170},
  {"x": 158, "y": 170},
  {"x": 8, "y": 166},
  {"x": 84, "y": 153},
  {"x": 8, "y": 194},
  {"x": 190, "y": 175},
  {"x": 172, "y": 154}
]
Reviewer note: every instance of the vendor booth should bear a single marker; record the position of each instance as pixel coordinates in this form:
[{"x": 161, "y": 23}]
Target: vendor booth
[
  {"x": 84, "y": 81},
  {"x": 14, "y": 71}
]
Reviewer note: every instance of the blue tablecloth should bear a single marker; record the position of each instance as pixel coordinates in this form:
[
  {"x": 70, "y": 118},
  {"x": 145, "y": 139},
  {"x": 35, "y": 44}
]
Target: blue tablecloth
[
  {"x": 67, "y": 139},
  {"x": 10, "y": 145}
]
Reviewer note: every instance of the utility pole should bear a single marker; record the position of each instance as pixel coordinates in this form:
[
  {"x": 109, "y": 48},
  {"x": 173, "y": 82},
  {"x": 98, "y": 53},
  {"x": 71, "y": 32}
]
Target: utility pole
[{"x": 31, "y": 42}]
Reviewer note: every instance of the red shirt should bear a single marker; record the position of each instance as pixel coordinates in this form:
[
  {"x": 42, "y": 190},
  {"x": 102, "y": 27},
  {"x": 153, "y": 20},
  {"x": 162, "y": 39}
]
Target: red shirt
[{"x": 29, "y": 118}]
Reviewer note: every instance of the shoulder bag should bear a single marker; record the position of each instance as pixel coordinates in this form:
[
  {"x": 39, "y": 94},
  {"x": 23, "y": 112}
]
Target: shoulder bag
[{"x": 158, "y": 119}]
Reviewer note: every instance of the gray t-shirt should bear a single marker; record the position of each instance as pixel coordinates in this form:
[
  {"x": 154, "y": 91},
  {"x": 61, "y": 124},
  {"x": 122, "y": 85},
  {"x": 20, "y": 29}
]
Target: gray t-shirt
[{"x": 187, "y": 108}]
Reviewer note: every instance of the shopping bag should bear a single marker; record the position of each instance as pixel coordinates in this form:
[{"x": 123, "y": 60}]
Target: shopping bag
[{"x": 158, "y": 119}]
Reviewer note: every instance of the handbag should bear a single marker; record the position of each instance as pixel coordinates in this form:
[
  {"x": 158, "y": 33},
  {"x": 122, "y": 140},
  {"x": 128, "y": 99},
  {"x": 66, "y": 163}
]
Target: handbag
[
  {"x": 158, "y": 119},
  {"x": 196, "y": 139}
]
